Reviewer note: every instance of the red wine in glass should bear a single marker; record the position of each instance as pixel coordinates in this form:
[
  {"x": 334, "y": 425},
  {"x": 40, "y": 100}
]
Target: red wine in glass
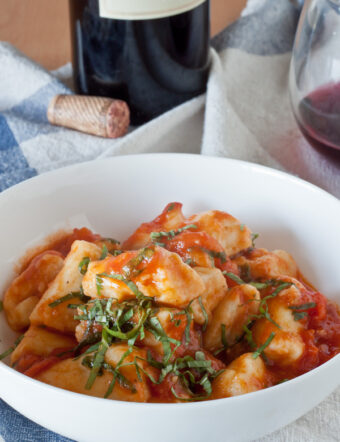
[{"x": 319, "y": 116}]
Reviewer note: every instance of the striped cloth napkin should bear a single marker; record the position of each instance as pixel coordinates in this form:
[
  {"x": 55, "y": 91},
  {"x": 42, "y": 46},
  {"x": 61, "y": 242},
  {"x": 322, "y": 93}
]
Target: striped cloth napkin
[{"x": 245, "y": 114}]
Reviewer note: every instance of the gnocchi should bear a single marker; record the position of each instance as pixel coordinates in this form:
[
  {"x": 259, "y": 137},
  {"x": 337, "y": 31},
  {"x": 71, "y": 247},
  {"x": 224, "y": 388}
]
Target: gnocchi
[{"x": 185, "y": 309}]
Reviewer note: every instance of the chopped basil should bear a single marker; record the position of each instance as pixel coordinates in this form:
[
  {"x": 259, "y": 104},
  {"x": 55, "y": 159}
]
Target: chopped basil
[
  {"x": 98, "y": 359},
  {"x": 80, "y": 295},
  {"x": 249, "y": 336},
  {"x": 216, "y": 255},
  {"x": 259, "y": 285},
  {"x": 282, "y": 381},
  {"x": 83, "y": 265},
  {"x": 254, "y": 236},
  {"x": 1, "y": 306},
  {"x": 159, "y": 244},
  {"x": 201, "y": 382},
  {"x": 104, "y": 252},
  {"x": 260, "y": 350},
  {"x": 223, "y": 336},
  {"x": 128, "y": 321},
  {"x": 189, "y": 314},
  {"x": 234, "y": 277},
  {"x": 99, "y": 284},
  {"x": 130, "y": 269},
  {"x": 263, "y": 307},
  {"x": 225, "y": 344},
  {"x": 132, "y": 286},
  {"x": 204, "y": 312},
  {"x": 306, "y": 306},
  {"x": 159, "y": 333},
  {"x": 181, "y": 368},
  {"x": 116, "y": 252},
  {"x": 118, "y": 376},
  {"x": 171, "y": 207},
  {"x": 11, "y": 349},
  {"x": 116, "y": 320},
  {"x": 245, "y": 272},
  {"x": 190, "y": 262},
  {"x": 299, "y": 315},
  {"x": 281, "y": 287},
  {"x": 111, "y": 240},
  {"x": 170, "y": 234},
  {"x": 242, "y": 227}
]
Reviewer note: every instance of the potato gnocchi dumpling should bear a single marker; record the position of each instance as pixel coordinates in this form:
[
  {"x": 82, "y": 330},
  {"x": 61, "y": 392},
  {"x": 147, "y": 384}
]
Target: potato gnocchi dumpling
[
  {"x": 231, "y": 315},
  {"x": 26, "y": 290},
  {"x": 185, "y": 309},
  {"x": 68, "y": 282},
  {"x": 164, "y": 276},
  {"x": 244, "y": 375}
]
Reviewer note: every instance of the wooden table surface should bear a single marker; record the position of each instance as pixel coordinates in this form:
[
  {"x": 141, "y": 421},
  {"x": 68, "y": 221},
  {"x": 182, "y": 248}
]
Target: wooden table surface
[{"x": 40, "y": 28}]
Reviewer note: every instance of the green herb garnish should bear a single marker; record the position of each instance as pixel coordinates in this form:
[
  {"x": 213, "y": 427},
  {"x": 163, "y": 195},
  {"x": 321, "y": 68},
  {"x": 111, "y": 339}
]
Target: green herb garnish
[
  {"x": 225, "y": 344},
  {"x": 249, "y": 336},
  {"x": 83, "y": 265},
  {"x": 254, "y": 236},
  {"x": 204, "y": 312},
  {"x": 1, "y": 306},
  {"x": 299, "y": 315},
  {"x": 117, "y": 375},
  {"x": 198, "y": 386},
  {"x": 298, "y": 312},
  {"x": 116, "y": 276},
  {"x": 11, "y": 349},
  {"x": 111, "y": 240},
  {"x": 245, "y": 273},
  {"x": 170, "y": 234},
  {"x": 116, "y": 252},
  {"x": 216, "y": 255},
  {"x": 98, "y": 359},
  {"x": 306, "y": 306},
  {"x": 260, "y": 285},
  {"x": 282, "y": 381},
  {"x": 190, "y": 262},
  {"x": 104, "y": 252},
  {"x": 223, "y": 336},
  {"x": 130, "y": 269},
  {"x": 80, "y": 295},
  {"x": 234, "y": 277},
  {"x": 260, "y": 350},
  {"x": 127, "y": 321},
  {"x": 189, "y": 315}
]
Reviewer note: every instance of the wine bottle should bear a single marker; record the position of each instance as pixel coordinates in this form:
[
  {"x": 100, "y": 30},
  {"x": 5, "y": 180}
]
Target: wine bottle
[{"x": 154, "y": 54}]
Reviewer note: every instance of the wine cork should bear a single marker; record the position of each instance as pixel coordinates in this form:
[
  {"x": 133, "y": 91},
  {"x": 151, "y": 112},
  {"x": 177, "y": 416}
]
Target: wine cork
[{"x": 99, "y": 116}]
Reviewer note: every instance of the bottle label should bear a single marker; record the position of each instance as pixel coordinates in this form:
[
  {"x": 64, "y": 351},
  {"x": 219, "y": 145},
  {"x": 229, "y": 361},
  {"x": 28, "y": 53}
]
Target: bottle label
[{"x": 144, "y": 9}]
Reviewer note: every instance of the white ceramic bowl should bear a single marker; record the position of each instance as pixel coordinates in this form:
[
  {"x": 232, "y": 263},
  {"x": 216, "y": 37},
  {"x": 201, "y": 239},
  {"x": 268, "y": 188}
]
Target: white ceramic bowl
[{"x": 112, "y": 197}]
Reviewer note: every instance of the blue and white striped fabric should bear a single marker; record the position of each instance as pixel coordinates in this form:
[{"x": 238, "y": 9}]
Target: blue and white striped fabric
[{"x": 245, "y": 114}]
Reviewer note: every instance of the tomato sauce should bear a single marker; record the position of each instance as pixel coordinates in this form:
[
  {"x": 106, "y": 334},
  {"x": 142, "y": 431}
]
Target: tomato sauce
[
  {"x": 319, "y": 317},
  {"x": 171, "y": 218},
  {"x": 32, "y": 365},
  {"x": 59, "y": 243},
  {"x": 321, "y": 336},
  {"x": 63, "y": 245}
]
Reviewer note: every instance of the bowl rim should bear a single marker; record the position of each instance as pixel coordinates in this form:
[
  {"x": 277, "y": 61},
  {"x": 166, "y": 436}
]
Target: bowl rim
[
  {"x": 258, "y": 168},
  {"x": 152, "y": 405},
  {"x": 276, "y": 173}
]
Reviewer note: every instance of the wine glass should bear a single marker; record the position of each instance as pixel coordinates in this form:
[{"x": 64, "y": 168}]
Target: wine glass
[{"x": 315, "y": 73}]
